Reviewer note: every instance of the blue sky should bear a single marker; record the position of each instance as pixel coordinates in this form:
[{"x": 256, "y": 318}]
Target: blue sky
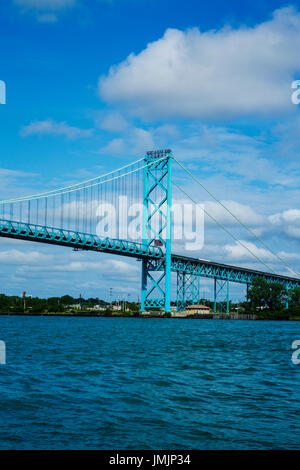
[{"x": 92, "y": 85}]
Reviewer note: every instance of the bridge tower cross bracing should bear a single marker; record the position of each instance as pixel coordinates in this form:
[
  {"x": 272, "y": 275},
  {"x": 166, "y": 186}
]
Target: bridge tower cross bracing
[{"x": 157, "y": 230}]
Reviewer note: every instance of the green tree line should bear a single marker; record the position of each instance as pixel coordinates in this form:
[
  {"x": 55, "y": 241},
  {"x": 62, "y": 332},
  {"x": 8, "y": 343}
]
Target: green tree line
[
  {"x": 266, "y": 298},
  {"x": 15, "y": 304},
  {"x": 66, "y": 303}
]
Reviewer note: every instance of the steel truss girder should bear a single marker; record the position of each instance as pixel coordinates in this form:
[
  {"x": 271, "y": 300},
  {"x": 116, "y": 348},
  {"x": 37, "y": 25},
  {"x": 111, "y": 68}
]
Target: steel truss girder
[
  {"x": 86, "y": 241},
  {"x": 225, "y": 272}
]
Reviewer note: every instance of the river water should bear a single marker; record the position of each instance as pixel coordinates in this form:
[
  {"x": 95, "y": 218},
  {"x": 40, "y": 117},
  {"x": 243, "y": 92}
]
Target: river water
[{"x": 131, "y": 383}]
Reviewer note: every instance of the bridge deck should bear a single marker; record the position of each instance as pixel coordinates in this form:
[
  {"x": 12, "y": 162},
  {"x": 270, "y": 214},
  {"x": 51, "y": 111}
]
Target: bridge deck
[
  {"x": 79, "y": 240},
  {"x": 85, "y": 241},
  {"x": 222, "y": 271}
]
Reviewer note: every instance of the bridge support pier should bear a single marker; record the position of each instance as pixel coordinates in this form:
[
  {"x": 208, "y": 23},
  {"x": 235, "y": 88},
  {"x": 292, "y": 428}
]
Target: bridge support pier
[
  {"x": 188, "y": 290},
  {"x": 219, "y": 288},
  {"x": 144, "y": 284},
  {"x": 287, "y": 298}
]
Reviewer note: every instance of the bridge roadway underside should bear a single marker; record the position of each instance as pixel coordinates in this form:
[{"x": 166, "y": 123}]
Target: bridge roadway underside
[{"x": 154, "y": 255}]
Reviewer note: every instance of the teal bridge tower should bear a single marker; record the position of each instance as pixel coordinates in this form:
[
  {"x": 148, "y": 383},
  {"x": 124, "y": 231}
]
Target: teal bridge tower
[{"x": 157, "y": 229}]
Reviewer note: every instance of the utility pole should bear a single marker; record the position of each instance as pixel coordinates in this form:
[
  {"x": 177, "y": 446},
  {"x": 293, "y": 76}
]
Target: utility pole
[
  {"x": 24, "y": 301},
  {"x": 110, "y": 295},
  {"x": 128, "y": 295}
]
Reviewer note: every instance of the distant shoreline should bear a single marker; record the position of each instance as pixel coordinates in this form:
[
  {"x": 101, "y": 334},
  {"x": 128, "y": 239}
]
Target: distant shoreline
[{"x": 210, "y": 316}]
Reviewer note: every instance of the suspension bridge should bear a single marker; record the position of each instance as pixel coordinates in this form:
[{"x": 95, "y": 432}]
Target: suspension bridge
[{"x": 67, "y": 217}]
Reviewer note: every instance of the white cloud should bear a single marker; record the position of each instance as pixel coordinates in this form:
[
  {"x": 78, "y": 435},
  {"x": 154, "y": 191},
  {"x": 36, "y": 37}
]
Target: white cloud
[
  {"x": 287, "y": 222},
  {"x": 50, "y": 127},
  {"x": 287, "y": 138},
  {"x": 14, "y": 182},
  {"x": 77, "y": 266},
  {"x": 213, "y": 74},
  {"x": 136, "y": 141},
  {"x": 123, "y": 267},
  {"x": 42, "y": 263},
  {"x": 5, "y": 173},
  {"x": 45, "y": 4},
  {"x": 291, "y": 215},
  {"x": 47, "y": 18},
  {"x": 293, "y": 232},
  {"x": 45, "y": 11},
  {"x": 114, "y": 147},
  {"x": 24, "y": 258},
  {"x": 115, "y": 266},
  {"x": 243, "y": 212},
  {"x": 112, "y": 122},
  {"x": 238, "y": 252}
]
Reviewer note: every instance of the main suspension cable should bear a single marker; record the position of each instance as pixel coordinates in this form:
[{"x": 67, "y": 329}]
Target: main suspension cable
[
  {"x": 238, "y": 220},
  {"x": 73, "y": 188},
  {"x": 54, "y": 192},
  {"x": 225, "y": 229}
]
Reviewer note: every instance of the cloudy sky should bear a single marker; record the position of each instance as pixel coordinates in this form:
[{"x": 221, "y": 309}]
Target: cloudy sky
[{"x": 92, "y": 85}]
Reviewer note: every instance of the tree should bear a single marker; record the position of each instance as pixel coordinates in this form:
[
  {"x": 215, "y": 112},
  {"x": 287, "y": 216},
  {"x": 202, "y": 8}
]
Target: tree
[
  {"x": 67, "y": 300},
  {"x": 266, "y": 295},
  {"x": 54, "y": 305},
  {"x": 294, "y": 301},
  {"x": 37, "y": 305},
  {"x": 294, "y": 296}
]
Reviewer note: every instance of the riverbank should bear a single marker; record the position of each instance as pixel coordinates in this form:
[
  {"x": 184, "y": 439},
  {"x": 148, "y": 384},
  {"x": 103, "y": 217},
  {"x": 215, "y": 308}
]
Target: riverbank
[{"x": 205, "y": 316}]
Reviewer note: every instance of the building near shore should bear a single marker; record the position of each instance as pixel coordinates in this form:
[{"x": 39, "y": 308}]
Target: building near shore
[
  {"x": 74, "y": 306},
  {"x": 197, "y": 309}
]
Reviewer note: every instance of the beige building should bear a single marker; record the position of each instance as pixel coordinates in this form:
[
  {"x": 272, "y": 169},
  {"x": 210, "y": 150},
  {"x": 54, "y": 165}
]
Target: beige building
[{"x": 197, "y": 308}]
